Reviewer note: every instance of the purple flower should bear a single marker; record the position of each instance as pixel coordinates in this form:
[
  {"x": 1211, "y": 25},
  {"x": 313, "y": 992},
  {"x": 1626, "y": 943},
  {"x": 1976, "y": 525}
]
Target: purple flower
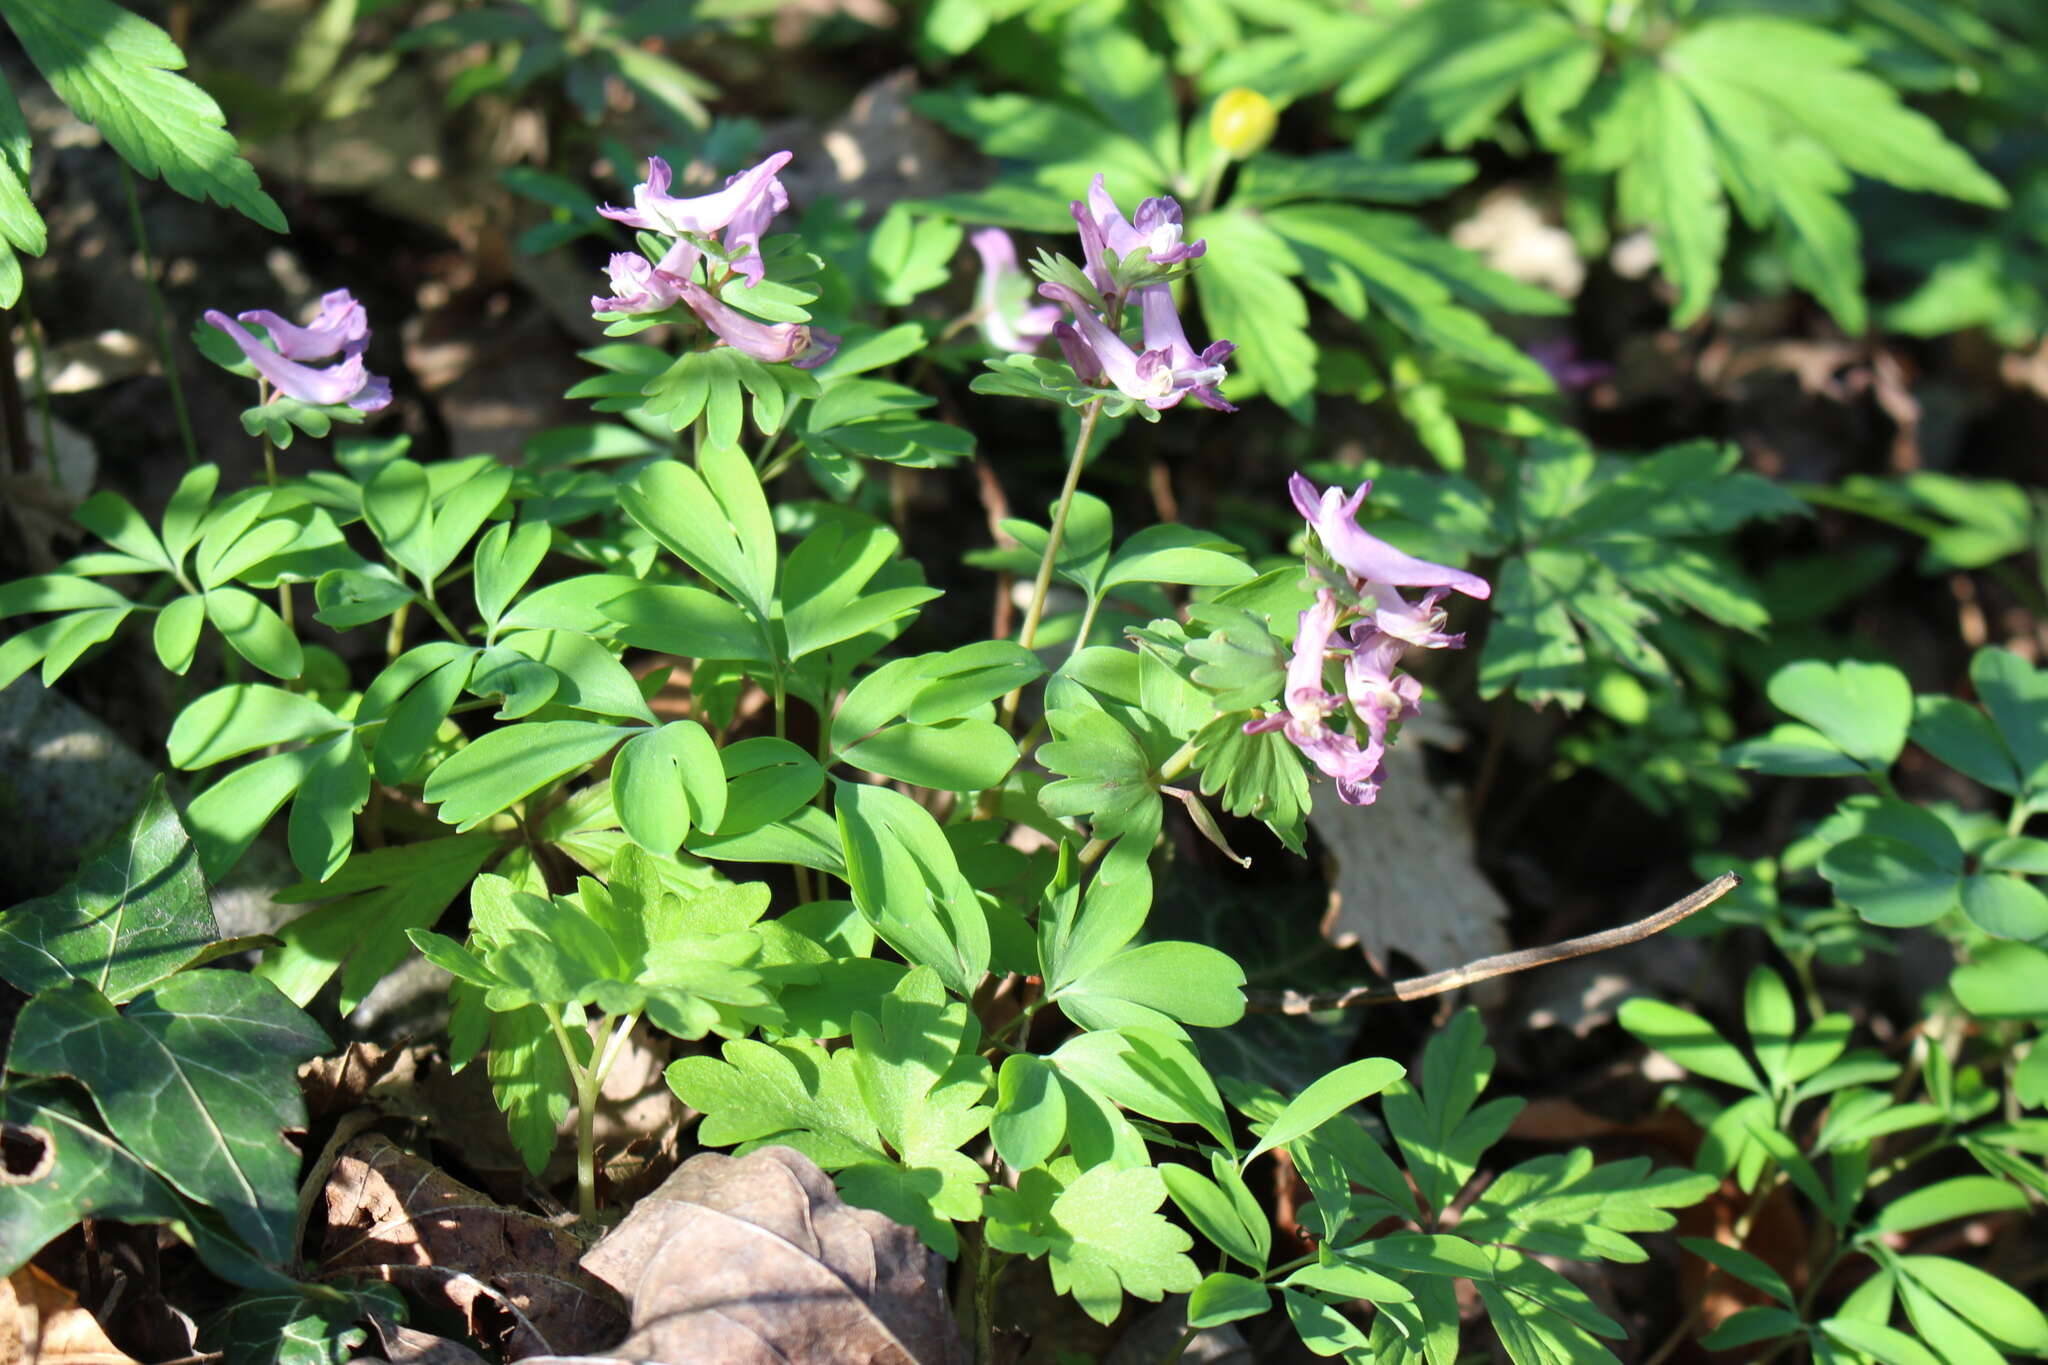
[
  {"x": 348, "y": 382},
  {"x": 1333, "y": 518},
  {"x": 341, "y": 320},
  {"x": 1382, "y": 627},
  {"x": 1163, "y": 331},
  {"x": 1309, "y": 706},
  {"x": 775, "y": 343},
  {"x": 1161, "y": 375},
  {"x": 656, "y": 210},
  {"x": 1007, "y": 323},
  {"x": 1155, "y": 232},
  {"x": 1560, "y": 359},
  {"x": 637, "y": 287}
]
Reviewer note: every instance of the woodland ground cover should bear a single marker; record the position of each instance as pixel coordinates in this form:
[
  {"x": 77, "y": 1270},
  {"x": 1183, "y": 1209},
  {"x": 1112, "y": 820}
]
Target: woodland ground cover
[{"x": 1008, "y": 680}]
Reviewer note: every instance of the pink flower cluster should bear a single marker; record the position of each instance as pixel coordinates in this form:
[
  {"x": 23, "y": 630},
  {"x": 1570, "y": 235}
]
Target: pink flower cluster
[
  {"x": 731, "y": 220},
  {"x": 1369, "y": 635}
]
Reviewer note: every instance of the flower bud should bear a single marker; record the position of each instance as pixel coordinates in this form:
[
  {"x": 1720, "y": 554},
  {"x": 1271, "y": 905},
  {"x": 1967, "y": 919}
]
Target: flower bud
[{"x": 1241, "y": 122}]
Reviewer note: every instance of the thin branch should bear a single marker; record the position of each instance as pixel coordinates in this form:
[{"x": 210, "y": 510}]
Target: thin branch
[{"x": 1501, "y": 964}]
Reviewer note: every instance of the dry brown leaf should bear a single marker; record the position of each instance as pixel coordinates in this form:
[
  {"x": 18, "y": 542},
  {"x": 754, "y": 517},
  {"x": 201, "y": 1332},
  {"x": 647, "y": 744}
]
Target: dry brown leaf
[
  {"x": 394, "y": 1215},
  {"x": 755, "y": 1260},
  {"x": 41, "y": 1323},
  {"x": 1406, "y": 881}
]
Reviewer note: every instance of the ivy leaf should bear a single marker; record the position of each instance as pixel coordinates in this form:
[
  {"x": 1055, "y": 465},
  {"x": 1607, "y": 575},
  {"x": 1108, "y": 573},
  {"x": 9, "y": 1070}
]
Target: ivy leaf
[
  {"x": 288, "y": 1328},
  {"x": 115, "y": 69},
  {"x": 79, "y": 1172},
  {"x": 198, "y": 1077},
  {"x": 134, "y": 915}
]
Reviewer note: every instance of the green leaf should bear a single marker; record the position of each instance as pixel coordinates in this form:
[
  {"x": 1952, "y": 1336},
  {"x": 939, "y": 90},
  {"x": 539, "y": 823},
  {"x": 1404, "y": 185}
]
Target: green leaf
[
  {"x": 1749, "y": 1326},
  {"x": 796, "y": 1094},
  {"x": 255, "y": 631},
  {"x": 505, "y": 559},
  {"x": 2005, "y": 907},
  {"x": 1751, "y": 1269},
  {"x": 1962, "y": 1196},
  {"x": 115, "y": 70},
  {"x": 917, "y": 1070},
  {"x": 72, "y": 1171},
  {"x": 907, "y": 883},
  {"x": 1891, "y": 881},
  {"x": 369, "y": 905},
  {"x": 588, "y": 676},
  {"x": 136, "y": 913},
  {"x": 1216, "y": 1216},
  {"x": 347, "y": 598},
  {"x": 2016, "y": 695},
  {"x": 491, "y": 772},
  {"x": 243, "y": 717},
  {"x": 1771, "y": 1020},
  {"x": 1105, "y": 773},
  {"x": 197, "y": 1077},
  {"x": 957, "y": 755},
  {"x": 1690, "y": 1041},
  {"x": 1565, "y": 1205},
  {"x": 1327, "y": 1098},
  {"x": 1030, "y": 1117},
  {"x": 1100, "y": 1233},
  {"x": 688, "y": 622},
  {"x": 1863, "y": 709},
  {"x": 1802, "y": 73},
  {"x": 1188, "y": 983},
  {"x": 1432, "y": 1116},
  {"x": 1147, "y": 1070},
  {"x": 1247, "y": 300},
  {"x": 666, "y": 782},
  {"x": 1670, "y": 186},
  {"x": 1967, "y": 740},
  {"x": 1887, "y": 1345},
  {"x": 2004, "y": 981},
  {"x": 1987, "y": 1303},
  {"x": 767, "y": 780},
  {"x": 717, "y": 522},
  {"x": 1321, "y": 1327},
  {"x": 1224, "y": 1297},
  {"x": 290, "y": 1328}
]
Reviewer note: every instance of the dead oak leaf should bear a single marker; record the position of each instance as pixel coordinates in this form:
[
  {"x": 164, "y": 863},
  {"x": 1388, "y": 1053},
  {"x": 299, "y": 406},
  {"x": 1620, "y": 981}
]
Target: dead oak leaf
[
  {"x": 756, "y": 1260},
  {"x": 399, "y": 1217}
]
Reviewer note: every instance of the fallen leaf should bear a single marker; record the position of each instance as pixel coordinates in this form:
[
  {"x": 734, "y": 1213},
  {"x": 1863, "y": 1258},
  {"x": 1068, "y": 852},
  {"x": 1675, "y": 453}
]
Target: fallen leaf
[
  {"x": 1406, "y": 880},
  {"x": 41, "y": 1323},
  {"x": 755, "y": 1259},
  {"x": 396, "y": 1216}
]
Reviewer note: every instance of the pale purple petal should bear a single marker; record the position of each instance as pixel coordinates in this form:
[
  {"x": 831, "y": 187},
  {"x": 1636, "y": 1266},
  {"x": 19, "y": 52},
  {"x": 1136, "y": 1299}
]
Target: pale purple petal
[
  {"x": 637, "y": 287},
  {"x": 348, "y": 382},
  {"x": 1150, "y": 384},
  {"x": 774, "y": 342},
  {"x": 1420, "y": 624},
  {"x": 1005, "y": 324},
  {"x": 1080, "y": 356},
  {"x": 340, "y": 321},
  {"x": 1199, "y": 373},
  {"x": 1365, "y": 556},
  {"x": 743, "y": 233},
  {"x": 655, "y": 210},
  {"x": 1156, "y": 233}
]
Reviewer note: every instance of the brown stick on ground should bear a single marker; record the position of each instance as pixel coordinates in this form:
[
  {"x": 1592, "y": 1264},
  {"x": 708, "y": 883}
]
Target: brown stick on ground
[{"x": 1501, "y": 964}]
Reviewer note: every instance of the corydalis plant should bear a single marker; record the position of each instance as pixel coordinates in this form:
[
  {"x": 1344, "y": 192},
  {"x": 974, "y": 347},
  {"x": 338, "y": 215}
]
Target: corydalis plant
[
  {"x": 1360, "y": 619},
  {"x": 713, "y": 239},
  {"x": 340, "y": 327}
]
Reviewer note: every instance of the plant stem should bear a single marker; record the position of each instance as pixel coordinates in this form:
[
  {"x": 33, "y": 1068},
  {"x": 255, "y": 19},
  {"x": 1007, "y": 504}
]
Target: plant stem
[
  {"x": 14, "y": 411},
  {"x": 161, "y": 317},
  {"x": 585, "y": 1081},
  {"x": 1042, "y": 586},
  {"x": 34, "y": 331}
]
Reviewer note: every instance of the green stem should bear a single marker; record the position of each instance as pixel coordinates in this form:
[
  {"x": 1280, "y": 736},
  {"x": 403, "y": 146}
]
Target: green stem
[
  {"x": 584, "y": 1079},
  {"x": 34, "y": 331},
  {"x": 1087, "y": 624},
  {"x": 1042, "y": 586},
  {"x": 161, "y": 317},
  {"x": 447, "y": 626}
]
